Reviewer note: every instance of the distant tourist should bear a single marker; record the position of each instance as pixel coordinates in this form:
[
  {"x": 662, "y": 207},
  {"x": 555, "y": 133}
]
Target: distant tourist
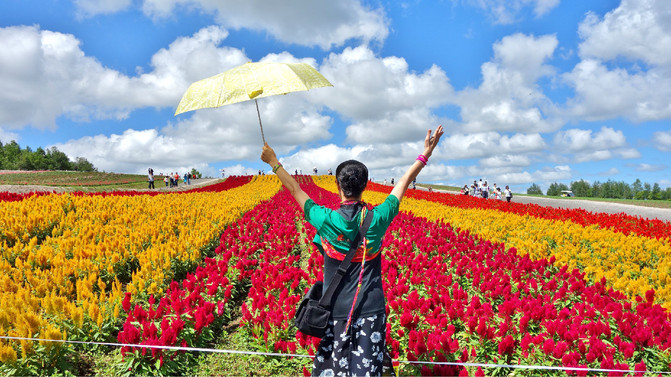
[
  {"x": 508, "y": 194},
  {"x": 150, "y": 177}
]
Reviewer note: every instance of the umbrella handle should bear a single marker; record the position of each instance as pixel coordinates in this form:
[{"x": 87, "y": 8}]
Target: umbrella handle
[{"x": 260, "y": 125}]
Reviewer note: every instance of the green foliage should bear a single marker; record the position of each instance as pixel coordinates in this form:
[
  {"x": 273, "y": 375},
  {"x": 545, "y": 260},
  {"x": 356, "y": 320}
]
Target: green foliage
[
  {"x": 196, "y": 172},
  {"x": 581, "y": 188},
  {"x": 534, "y": 189},
  {"x": 620, "y": 190},
  {"x": 555, "y": 189},
  {"x": 82, "y": 164},
  {"x": 12, "y": 157},
  {"x": 49, "y": 359}
]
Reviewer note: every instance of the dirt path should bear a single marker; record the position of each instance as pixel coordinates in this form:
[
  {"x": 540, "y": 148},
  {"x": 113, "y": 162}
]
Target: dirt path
[{"x": 596, "y": 206}]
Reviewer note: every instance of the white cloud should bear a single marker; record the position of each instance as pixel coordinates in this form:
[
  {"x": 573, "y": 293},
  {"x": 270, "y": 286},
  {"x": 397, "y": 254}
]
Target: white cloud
[
  {"x": 593, "y": 156},
  {"x": 509, "y": 98},
  {"x": 577, "y": 140},
  {"x": 320, "y": 23},
  {"x": 635, "y": 30},
  {"x": 555, "y": 173},
  {"x": 235, "y": 170},
  {"x": 625, "y": 68},
  {"x": 662, "y": 141},
  {"x": 603, "y": 93},
  {"x": 517, "y": 176},
  {"x": 505, "y": 160},
  {"x": 610, "y": 172},
  {"x": 7, "y": 136},
  {"x": 586, "y": 145},
  {"x": 208, "y": 136},
  {"x": 628, "y": 153},
  {"x": 650, "y": 167},
  {"x": 385, "y": 101},
  {"x": 507, "y": 11},
  {"x": 45, "y": 75},
  {"x": 490, "y": 144}
]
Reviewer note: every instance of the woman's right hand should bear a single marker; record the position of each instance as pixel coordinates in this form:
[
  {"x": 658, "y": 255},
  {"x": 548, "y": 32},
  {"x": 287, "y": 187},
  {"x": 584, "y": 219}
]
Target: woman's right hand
[
  {"x": 431, "y": 141},
  {"x": 268, "y": 155}
]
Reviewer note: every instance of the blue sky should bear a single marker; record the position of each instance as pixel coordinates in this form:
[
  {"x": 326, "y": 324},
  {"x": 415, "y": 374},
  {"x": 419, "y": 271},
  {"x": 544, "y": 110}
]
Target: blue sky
[{"x": 529, "y": 91}]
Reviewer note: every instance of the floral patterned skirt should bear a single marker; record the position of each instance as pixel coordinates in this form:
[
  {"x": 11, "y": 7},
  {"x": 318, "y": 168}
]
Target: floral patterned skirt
[{"x": 358, "y": 351}]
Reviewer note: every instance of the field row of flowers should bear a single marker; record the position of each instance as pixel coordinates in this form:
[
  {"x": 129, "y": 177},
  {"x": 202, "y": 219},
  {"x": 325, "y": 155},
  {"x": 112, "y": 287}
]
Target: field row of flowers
[
  {"x": 452, "y": 296},
  {"x": 67, "y": 259},
  {"x": 258, "y": 262},
  {"x": 456, "y": 290},
  {"x": 620, "y": 222},
  {"x": 631, "y": 263}
]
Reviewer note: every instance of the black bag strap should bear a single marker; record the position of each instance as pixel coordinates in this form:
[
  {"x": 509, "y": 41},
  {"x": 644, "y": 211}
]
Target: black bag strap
[{"x": 344, "y": 265}]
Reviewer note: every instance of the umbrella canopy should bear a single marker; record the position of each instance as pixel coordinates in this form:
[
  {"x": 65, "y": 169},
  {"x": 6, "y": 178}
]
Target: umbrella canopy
[{"x": 250, "y": 81}]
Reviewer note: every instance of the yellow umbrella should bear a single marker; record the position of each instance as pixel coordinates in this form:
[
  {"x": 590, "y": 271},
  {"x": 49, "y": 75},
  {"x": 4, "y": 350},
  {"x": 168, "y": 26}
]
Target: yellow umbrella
[{"x": 250, "y": 81}]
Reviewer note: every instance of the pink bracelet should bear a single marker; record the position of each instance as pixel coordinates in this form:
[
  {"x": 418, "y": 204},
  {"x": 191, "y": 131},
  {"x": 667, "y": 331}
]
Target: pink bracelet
[{"x": 422, "y": 158}]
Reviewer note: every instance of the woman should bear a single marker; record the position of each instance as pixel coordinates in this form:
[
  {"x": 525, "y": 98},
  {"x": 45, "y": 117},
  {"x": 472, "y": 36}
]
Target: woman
[{"x": 354, "y": 343}]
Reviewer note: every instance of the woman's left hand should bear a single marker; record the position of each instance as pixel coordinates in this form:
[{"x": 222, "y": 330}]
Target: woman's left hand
[{"x": 431, "y": 141}]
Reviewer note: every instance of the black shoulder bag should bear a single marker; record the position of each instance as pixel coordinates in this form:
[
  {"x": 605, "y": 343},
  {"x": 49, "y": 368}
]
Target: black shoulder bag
[{"x": 314, "y": 311}]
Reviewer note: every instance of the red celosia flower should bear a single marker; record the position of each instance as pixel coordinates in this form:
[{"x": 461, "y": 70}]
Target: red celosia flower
[
  {"x": 125, "y": 304},
  {"x": 507, "y": 345}
]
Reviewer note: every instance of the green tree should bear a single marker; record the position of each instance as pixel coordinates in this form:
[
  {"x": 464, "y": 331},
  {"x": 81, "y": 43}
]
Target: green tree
[
  {"x": 597, "y": 187},
  {"x": 656, "y": 193},
  {"x": 555, "y": 189},
  {"x": 581, "y": 188},
  {"x": 11, "y": 154},
  {"x": 637, "y": 186},
  {"x": 29, "y": 160},
  {"x": 534, "y": 189},
  {"x": 607, "y": 190},
  {"x": 644, "y": 193},
  {"x": 58, "y": 160},
  {"x": 666, "y": 195},
  {"x": 82, "y": 164},
  {"x": 40, "y": 159},
  {"x": 196, "y": 172}
]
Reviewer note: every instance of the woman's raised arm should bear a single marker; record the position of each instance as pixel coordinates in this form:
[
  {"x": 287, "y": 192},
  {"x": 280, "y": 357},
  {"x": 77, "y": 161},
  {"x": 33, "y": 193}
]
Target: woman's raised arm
[
  {"x": 268, "y": 156},
  {"x": 430, "y": 144}
]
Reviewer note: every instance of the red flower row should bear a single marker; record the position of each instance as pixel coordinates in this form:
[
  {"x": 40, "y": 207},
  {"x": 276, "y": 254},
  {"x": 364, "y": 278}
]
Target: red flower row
[
  {"x": 229, "y": 183},
  {"x": 451, "y": 297},
  {"x": 621, "y": 222},
  {"x": 444, "y": 285}
]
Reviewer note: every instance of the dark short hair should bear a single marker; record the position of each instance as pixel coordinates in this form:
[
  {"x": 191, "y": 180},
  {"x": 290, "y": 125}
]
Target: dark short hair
[{"x": 352, "y": 177}]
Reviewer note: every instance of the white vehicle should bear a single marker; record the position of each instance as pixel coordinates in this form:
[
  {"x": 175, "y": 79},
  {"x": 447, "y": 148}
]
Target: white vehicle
[{"x": 567, "y": 194}]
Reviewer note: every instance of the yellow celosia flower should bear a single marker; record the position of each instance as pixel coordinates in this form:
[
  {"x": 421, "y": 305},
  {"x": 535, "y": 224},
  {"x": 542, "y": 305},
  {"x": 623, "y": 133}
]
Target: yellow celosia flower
[
  {"x": 66, "y": 250},
  {"x": 7, "y": 354}
]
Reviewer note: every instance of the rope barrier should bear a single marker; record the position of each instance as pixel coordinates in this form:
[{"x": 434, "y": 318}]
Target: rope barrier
[{"x": 275, "y": 354}]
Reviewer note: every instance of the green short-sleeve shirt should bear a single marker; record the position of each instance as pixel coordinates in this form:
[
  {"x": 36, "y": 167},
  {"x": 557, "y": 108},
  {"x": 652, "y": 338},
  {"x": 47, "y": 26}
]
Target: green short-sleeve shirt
[{"x": 335, "y": 230}]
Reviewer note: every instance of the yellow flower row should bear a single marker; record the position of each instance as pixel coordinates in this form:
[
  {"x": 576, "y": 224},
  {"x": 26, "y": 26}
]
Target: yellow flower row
[
  {"x": 69, "y": 258},
  {"x": 631, "y": 264}
]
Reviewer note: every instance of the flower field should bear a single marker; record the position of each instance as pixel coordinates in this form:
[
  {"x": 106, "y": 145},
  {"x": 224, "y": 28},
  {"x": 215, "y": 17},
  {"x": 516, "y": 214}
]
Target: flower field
[{"x": 466, "y": 280}]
